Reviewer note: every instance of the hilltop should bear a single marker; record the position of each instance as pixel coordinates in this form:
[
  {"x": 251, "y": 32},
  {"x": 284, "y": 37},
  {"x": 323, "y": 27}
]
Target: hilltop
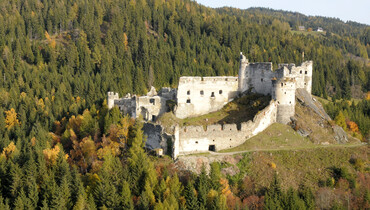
[{"x": 61, "y": 148}]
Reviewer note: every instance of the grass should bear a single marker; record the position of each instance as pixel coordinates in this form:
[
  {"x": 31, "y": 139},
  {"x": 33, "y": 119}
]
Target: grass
[
  {"x": 276, "y": 136},
  {"x": 308, "y": 167}
]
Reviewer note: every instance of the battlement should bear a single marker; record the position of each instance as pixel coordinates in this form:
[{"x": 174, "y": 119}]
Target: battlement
[
  {"x": 261, "y": 66},
  {"x": 287, "y": 65},
  {"x": 113, "y": 94},
  {"x": 203, "y": 80},
  {"x": 216, "y": 137}
]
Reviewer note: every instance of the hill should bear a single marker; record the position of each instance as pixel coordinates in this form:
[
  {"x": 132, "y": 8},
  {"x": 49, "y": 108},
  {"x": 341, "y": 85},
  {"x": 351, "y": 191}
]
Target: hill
[{"x": 61, "y": 148}]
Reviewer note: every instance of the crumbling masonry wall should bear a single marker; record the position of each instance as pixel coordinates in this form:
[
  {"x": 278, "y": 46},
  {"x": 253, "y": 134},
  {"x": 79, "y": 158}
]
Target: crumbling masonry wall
[
  {"x": 149, "y": 107},
  {"x": 192, "y": 139},
  {"x": 201, "y": 95}
]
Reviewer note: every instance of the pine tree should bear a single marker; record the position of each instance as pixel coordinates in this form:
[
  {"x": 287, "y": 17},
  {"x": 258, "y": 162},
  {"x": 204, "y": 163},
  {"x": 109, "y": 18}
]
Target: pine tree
[
  {"x": 191, "y": 199},
  {"x": 215, "y": 175},
  {"x": 105, "y": 193},
  {"x": 126, "y": 196},
  {"x": 274, "y": 196},
  {"x": 202, "y": 186},
  {"x": 308, "y": 197}
]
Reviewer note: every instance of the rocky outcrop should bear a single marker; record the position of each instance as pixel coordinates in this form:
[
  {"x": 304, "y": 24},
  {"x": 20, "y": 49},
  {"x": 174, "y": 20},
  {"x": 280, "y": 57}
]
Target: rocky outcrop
[
  {"x": 197, "y": 162},
  {"x": 306, "y": 99},
  {"x": 154, "y": 136},
  {"x": 340, "y": 134},
  {"x": 318, "y": 117}
]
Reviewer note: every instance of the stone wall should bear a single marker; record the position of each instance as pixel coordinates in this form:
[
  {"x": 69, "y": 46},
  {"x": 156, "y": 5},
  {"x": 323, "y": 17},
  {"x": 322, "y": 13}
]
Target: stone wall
[
  {"x": 201, "y": 95},
  {"x": 193, "y": 139},
  {"x": 303, "y": 75},
  {"x": 150, "y": 106},
  {"x": 260, "y": 75},
  {"x": 127, "y": 106}
]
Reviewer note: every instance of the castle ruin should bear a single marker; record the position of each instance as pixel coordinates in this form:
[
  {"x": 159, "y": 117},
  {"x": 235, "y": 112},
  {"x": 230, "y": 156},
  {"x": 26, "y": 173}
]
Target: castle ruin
[{"x": 197, "y": 96}]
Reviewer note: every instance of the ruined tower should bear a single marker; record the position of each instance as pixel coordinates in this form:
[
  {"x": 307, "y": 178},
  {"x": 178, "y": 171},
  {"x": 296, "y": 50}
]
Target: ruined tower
[
  {"x": 283, "y": 92},
  {"x": 110, "y": 100},
  {"x": 243, "y": 74}
]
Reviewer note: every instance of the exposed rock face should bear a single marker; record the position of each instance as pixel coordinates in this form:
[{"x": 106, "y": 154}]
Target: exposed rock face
[
  {"x": 340, "y": 134},
  {"x": 305, "y": 99},
  {"x": 319, "y": 118},
  {"x": 154, "y": 136},
  {"x": 196, "y": 163}
]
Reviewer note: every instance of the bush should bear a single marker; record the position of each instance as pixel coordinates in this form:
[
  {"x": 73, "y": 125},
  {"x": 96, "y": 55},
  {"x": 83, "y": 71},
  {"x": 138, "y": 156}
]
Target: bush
[{"x": 272, "y": 165}]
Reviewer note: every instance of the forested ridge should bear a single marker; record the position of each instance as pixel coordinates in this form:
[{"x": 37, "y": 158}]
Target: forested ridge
[{"x": 60, "y": 146}]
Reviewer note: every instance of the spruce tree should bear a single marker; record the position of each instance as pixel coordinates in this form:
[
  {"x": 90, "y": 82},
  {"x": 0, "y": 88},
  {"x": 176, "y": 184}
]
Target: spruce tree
[
  {"x": 191, "y": 199},
  {"x": 126, "y": 197}
]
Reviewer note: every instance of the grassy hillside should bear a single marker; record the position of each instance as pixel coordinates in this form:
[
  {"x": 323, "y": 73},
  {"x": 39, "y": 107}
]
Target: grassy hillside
[
  {"x": 275, "y": 137},
  {"x": 311, "y": 167},
  {"x": 337, "y": 175}
]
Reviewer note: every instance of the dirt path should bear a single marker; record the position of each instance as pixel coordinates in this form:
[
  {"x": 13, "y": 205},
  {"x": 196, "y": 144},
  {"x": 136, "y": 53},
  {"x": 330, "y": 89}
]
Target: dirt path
[{"x": 277, "y": 149}]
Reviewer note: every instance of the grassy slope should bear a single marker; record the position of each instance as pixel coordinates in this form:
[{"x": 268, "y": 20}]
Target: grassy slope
[
  {"x": 307, "y": 166},
  {"x": 277, "y": 136}
]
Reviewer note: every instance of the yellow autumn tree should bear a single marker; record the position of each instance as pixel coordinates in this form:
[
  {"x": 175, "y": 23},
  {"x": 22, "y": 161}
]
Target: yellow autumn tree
[
  {"x": 33, "y": 141},
  {"x": 125, "y": 40},
  {"x": 51, "y": 155},
  {"x": 11, "y": 119},
  {"x": 51, "y": 41},
  {"x": 40, "y": 103},
  {"x": 47, "y": 36},
  {"x": 108, "y": 148},
  {"x": 9, "y": 151}
]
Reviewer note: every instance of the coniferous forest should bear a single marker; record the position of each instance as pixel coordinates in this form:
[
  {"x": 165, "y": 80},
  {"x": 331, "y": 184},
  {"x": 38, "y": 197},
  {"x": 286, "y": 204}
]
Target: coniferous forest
[{"x": 61, "y": 148}]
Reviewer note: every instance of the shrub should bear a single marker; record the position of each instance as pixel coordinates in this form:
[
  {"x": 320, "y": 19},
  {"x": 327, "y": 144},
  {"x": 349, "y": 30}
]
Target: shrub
[{"x": 272, "y": 165}]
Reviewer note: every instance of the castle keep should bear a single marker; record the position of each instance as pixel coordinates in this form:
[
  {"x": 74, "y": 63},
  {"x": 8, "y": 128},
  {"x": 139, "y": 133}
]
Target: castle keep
[{"x": 197, "y": 96}]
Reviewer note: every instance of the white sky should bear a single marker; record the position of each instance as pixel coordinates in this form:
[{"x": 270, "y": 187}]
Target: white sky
[{"x": 354, "y": 10}]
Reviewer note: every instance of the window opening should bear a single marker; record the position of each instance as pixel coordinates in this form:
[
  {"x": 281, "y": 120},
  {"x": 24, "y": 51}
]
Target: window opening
[
  {"x": 188, "y": 101},
  {"x": 152, "y": 101},
  {"x": 213, "y": 94},
  {"x": 220, "y": 91}
]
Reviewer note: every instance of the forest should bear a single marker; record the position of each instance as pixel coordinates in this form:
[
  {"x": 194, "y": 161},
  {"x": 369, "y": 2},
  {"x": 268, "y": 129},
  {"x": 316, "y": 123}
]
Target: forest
[{"x": 62, "y": 149}]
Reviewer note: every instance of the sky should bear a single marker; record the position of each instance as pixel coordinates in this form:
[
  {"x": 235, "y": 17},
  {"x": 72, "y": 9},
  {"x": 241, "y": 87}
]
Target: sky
[{"x": 354, "y": 10}]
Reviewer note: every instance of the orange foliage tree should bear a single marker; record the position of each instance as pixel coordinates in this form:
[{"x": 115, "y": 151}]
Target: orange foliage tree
[{"x": 352, "y": 126}]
